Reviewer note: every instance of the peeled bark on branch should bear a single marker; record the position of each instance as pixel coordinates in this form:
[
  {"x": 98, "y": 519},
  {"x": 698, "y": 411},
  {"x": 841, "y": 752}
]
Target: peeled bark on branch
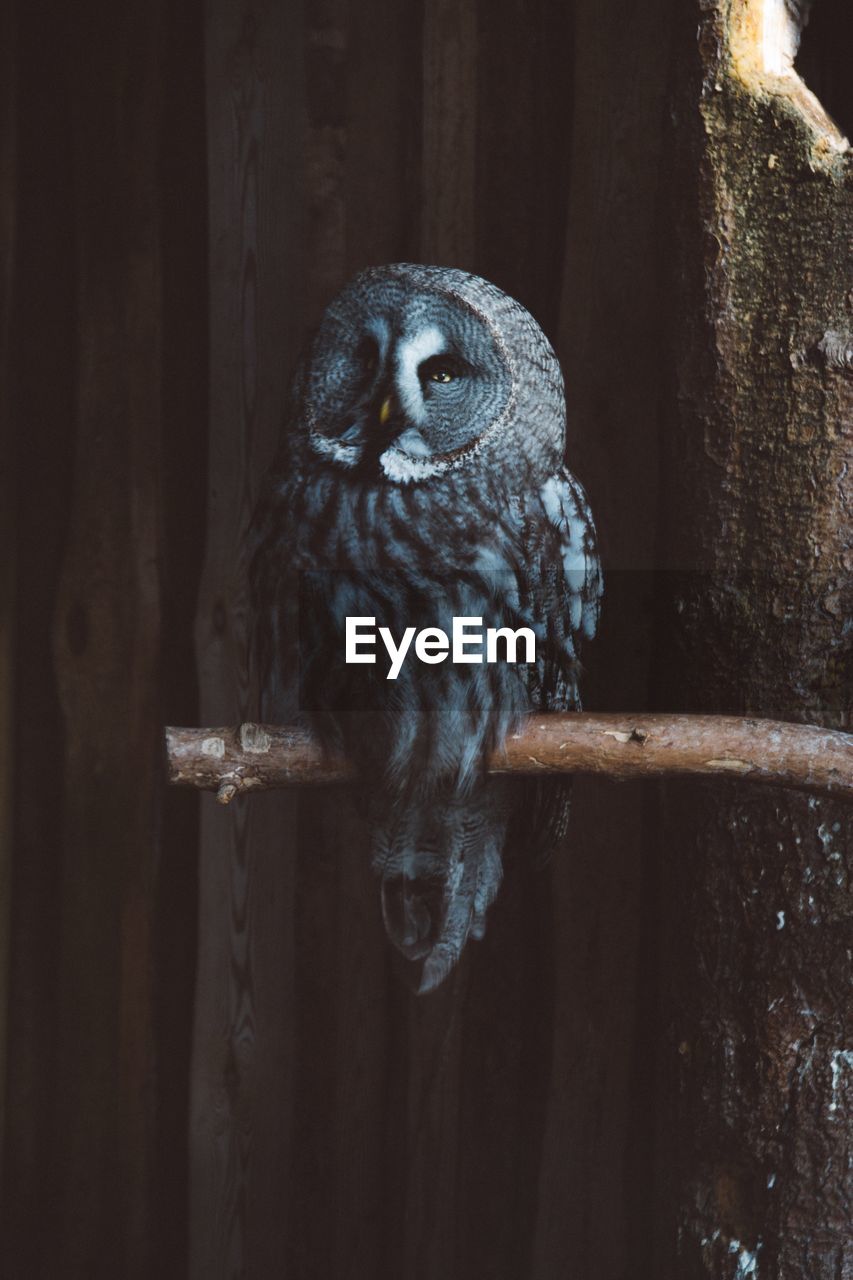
[{"x": 256, "y": 757}]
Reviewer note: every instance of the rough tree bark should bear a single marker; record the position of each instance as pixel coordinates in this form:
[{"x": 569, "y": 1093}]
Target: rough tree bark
[{"x": 755, "y": 1038}]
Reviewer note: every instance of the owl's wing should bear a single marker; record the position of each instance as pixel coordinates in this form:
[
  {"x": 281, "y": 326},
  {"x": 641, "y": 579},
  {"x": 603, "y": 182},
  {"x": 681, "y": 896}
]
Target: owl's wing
[
  {"x": 567, "y": 509},
  {"x": 562, "y": 585},
  {"x": 561, "y": 590}
]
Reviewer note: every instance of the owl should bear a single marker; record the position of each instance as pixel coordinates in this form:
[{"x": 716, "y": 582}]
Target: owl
[{"x": 420, "y": 481}]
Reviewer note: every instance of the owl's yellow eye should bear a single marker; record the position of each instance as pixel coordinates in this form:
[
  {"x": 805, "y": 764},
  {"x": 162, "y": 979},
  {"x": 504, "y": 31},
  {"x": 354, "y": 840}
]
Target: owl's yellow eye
[{"x": 443, "y": 368}]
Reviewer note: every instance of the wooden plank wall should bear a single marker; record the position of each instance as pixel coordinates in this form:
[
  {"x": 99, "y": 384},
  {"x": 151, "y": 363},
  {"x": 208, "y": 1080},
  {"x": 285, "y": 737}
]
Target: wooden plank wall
[
  {"x": 339, "y": 1126},
  {"x": 107, "y": 410},
  {"x": 215, "y": 1068}
]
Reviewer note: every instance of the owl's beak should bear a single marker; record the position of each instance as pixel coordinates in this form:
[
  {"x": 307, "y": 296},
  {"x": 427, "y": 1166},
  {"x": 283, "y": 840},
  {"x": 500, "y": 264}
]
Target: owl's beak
[
  {"x": 393, "y": 429},
  {"x": 390, "y": 419},
  {"x": 386, "y": 410},
  {"x": 398, "y": 432}
]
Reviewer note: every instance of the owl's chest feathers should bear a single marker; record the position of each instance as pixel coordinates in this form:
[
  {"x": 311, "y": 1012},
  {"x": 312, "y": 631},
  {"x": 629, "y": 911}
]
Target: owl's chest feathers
[
  {"x": 409, "y": 558},
  {"x": 391, "y": 709},
  {"x": 373, "y": 526}
]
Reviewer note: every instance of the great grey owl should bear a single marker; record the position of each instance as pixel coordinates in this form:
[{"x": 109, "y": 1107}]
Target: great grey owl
[{"x": 421, "y": 480}]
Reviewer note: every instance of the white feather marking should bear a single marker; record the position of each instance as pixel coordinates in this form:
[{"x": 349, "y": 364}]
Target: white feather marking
[
  {"x": 347, "y": 454},
  {"x": 563, "y": 505},
  {"x": 403, "y": 468},
  {"x": 378, "y": 328},
  {"x": 411, "y": 353}
]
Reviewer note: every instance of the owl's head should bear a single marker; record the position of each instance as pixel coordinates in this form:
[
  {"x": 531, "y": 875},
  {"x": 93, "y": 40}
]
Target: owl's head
[{"x": 417, "y": 371}]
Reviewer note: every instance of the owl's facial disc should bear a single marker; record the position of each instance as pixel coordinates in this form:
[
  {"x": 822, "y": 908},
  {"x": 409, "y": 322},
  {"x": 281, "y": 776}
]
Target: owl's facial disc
[
  {"x": 408, "y": 394},
  {"x": 452, "y": 383}
]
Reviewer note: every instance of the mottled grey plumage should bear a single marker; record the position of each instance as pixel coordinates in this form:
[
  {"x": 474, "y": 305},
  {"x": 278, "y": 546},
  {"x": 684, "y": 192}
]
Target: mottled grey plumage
[{"x": 421, "y": 478}]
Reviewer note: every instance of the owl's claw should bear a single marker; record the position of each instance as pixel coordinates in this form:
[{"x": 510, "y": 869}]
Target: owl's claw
[{"x": 411, "y": 911}]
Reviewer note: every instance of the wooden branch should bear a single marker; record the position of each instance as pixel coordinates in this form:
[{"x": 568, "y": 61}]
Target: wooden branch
[{"x": 256, "y": 757}]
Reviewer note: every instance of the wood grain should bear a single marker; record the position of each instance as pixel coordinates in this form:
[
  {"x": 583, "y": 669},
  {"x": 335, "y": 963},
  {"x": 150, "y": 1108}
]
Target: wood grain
[
  {"x": 523, "y": 157},
  {"x": 611, "y": 342},
  {"x": 8, "y": 211},
  {"x": 241, "y": 1082},
  {"x": 382, "y": 161},
  {"x": 106, "y": 648},
  {"x": 448, "y": 176},
  {"x": 41, "y": 426}
]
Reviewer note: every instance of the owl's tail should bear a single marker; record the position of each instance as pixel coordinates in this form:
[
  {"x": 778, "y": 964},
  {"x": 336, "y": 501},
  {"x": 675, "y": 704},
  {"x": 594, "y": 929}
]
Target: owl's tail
[{"x": 439, "y": 861}]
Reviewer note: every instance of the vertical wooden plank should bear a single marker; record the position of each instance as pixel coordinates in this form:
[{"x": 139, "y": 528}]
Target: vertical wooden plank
[
  {"x": 326, "y": 33},
  {"x": 433, "y": 1030},
  {"x": 241, "y": 1088},
  {"x": 361, "y": 1098},
  {"x": 384, "y": 142},
  {"x": 510, "y": 1015},
  {"x": 106, "y": 645},
  {"x": 8, "y": 152},
  {"x": 448, "y": 222},
  {"x": 612, "y": 282},
  {"x": 184, "y": 409},
  {"x": 41, "y": 392},
  {"x": 595, "y": 1164},
  {"x": 525, "y": 91}
]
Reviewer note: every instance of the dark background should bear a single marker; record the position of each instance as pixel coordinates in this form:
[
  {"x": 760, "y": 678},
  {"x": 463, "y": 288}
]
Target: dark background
[{"x": 209, "y": 1063}]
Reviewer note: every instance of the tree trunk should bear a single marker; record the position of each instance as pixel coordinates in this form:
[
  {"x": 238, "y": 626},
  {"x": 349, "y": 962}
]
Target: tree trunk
[{"x": 756, "y": 1050}]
